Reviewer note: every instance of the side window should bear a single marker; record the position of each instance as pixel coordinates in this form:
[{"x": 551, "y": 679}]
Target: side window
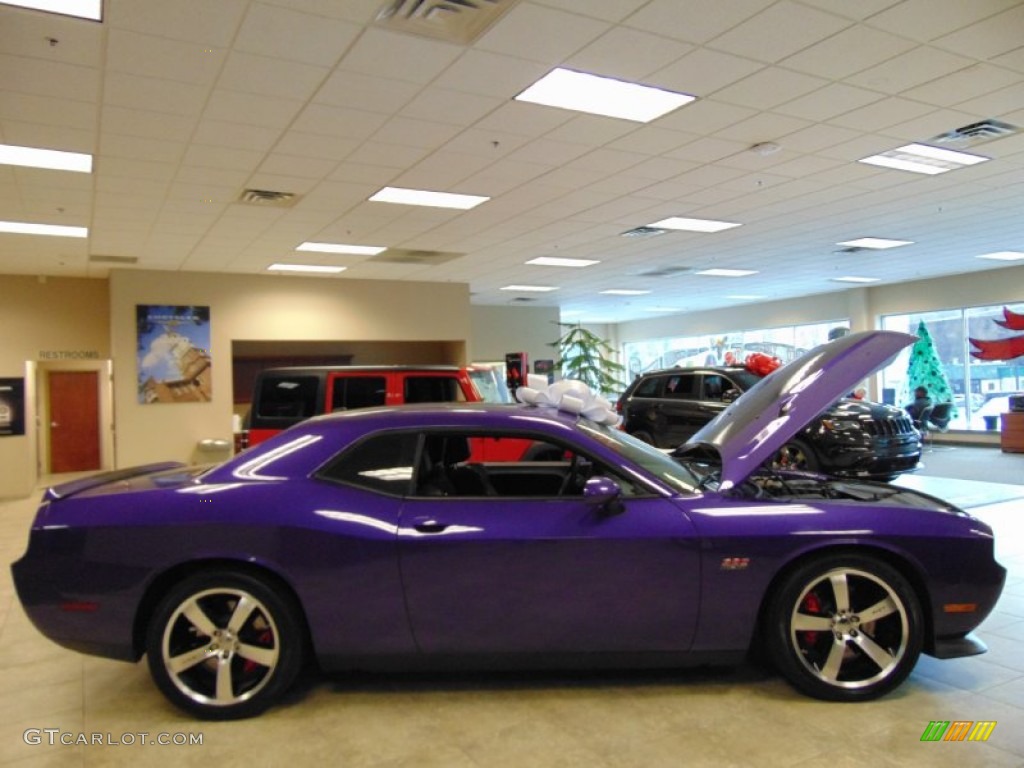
[
  {"x": 287, "y": 397},
  {"x": 432, "y": 389},
  {"x": 358, "y": 392},
  {"x": 681, "y": 386},
  {"x": 383, "y": 464},
  {"x": 649, "y": 387},
  {"x": 449, "y": 467},
  {"x": 713, "y": 387}
]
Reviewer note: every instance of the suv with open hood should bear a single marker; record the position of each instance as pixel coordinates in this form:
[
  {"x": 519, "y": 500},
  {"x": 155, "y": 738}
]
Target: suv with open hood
[{"x": 852, "y": 437}]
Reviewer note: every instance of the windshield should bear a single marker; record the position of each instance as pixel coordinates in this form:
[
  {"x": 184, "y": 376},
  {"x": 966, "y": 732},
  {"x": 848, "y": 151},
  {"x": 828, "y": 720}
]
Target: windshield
[
  {"x": 670, "y": 472},
  {"x": 490, "y": 385}
]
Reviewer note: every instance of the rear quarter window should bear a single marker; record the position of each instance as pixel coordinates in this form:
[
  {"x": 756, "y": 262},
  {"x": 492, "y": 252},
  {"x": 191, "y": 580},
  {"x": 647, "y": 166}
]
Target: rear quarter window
[
  {"x": 432, "y": 389},
  {"x": 287, "y": 397}
]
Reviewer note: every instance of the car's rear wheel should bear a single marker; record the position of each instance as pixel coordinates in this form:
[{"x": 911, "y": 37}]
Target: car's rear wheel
[
  {"x": 845, "y": 628},
  {"x": 224, "y": 645},
  {"x": 796, "y": 454}
]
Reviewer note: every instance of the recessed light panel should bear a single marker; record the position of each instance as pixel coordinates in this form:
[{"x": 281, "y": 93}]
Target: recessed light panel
[
  {"x": 308, "y": 268},
  {"x": 596, "y": 95},
  {"x": 354, "y": 250},
  {"x": 727, "y": 272},
  {"x": 745, "y": 297},
  {"x": 49, "y": 159},
  {"x": 876, "y": 243},
  {"x": 529, "y": 288},
  {"x": 693, "y": 225},
  {"x": 921, "y": 158},
  {"x": 427, "y": 198},
  {"x": 1002, "y": 256},
  {"x": 556, "y": 261},
  {"x": 623, "y": 292},
  {"x": 854, "y": 279},
  {"x": 83, "y": 9},
  {"x": 51, "y": 230}
]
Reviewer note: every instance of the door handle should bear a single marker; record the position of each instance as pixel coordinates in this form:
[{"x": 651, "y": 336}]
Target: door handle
[{"x": 429, "y": 525}]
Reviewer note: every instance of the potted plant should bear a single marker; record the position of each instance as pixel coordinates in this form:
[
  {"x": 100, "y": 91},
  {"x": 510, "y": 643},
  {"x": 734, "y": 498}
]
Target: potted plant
[{"x": 585, "y": 356}]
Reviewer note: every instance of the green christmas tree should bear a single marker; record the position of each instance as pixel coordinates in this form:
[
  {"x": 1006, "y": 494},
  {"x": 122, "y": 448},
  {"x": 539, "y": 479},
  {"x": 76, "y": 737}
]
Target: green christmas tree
[
  {"x": 926, "y": 369},
  {"x": 587, "y": 357}
]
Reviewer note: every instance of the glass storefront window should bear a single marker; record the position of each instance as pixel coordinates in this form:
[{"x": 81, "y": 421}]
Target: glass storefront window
[
  {"x": 729, "y": 348},
  {"x": 981, "y": 388}
]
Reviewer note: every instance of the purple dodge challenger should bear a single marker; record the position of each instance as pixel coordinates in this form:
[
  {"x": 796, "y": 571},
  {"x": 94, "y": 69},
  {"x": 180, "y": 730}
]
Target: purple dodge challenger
[{"x": 500, "y": 535}]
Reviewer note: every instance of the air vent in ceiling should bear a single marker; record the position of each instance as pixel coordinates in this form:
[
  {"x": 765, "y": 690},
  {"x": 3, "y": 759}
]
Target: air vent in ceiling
[
  {"x": 663, "y": 271},
  {"x": 457, "y": 21},
  {"x": 976, "y": 133},
  {"x": 522, "y": 300},
  {"x": 643, "y": 232},
  {"x": 97, "y": 258},
  {"x": 404, "y": 256},
  {"x": 849, "y": 249},
  {"x": 267, "y": 197}
]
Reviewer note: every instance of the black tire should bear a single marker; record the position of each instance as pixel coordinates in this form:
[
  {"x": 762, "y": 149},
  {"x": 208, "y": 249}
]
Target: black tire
[
  {"x": 224, "y": 645},
  {"x": 845, "y": 628},
  {"x": 796, "y": 454}
]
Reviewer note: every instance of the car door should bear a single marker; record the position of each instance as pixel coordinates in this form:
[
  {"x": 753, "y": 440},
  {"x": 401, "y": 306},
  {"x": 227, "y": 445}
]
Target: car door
[
  {"x": 680, "y": 409},
  {"x": 547, "y": 572}
]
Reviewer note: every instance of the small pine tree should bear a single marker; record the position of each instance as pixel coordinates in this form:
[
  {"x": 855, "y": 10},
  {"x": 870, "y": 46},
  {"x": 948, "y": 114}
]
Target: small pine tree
[
  {"x": 925, "y": 368},
  {"x": 583, "y": 355}
]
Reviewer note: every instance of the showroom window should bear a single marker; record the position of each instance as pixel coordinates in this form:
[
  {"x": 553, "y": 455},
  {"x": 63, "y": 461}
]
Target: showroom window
[
  {"x": 728, "y": 348},
  {"x": 980, "y": 387}
]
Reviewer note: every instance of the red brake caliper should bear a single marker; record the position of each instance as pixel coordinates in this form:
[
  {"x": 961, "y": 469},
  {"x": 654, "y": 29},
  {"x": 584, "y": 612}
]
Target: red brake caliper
[
  {"x": 264, "y": 637},
  {"x": 811, "y": 605}
]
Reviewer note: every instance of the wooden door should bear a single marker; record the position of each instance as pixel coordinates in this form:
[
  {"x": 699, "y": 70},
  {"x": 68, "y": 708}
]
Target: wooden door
[{"x": 74, "y": 421}]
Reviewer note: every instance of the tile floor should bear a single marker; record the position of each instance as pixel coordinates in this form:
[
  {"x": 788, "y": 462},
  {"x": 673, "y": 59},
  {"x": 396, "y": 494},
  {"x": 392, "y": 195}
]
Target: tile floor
[{"x": 740, "y": 717}]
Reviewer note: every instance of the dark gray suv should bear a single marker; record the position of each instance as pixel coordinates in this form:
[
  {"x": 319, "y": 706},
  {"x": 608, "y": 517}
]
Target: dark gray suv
[{"x": 852, "y": 438}]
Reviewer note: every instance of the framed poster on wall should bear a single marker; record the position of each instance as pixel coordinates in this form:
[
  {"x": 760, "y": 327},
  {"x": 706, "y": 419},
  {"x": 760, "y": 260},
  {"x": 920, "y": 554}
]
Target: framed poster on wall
[
  {"x": 12, "y": 407},
  {"x": 173, "y": 349}
]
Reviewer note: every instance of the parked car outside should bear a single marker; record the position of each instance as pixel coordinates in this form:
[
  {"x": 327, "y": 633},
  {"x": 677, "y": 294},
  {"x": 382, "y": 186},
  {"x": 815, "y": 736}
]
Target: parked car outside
[
  {"x": 376, "y": 538},
  {"x": 852, "y": 438}
]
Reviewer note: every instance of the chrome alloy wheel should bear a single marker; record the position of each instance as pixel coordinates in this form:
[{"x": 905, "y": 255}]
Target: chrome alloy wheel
[
  {"x": 220, "y": 647},
  {"x": 849, "y": 628},
  {"x": 845, "y": 627}
]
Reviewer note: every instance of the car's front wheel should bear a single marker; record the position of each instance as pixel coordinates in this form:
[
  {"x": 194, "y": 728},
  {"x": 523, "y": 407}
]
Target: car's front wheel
[
  {"x": 224, "y": 645},
  {"x": 845, "y": 628},
  {"x": 797, "y": 455}
]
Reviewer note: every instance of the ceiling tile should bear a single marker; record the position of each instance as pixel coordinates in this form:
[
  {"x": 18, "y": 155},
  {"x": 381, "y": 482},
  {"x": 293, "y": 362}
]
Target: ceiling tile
[
  {"x": 925, "y": 20},
  {"x": 768, "y": 88},
  {"x": 545, "y": 35},
  {"x": 275, "y": 31},
  {"x": 909, "y": 69},
  {"x": 382, "y": 53},
  {"x": 703, "y": 72},
  {"x": 251, "y": 109},
  {"x": 828, "y": 102},
  {"x": 270, "y": 77},
  {"x": 850, "y": 51},
  {"x": 196, "y": 21},
  {"x": 152, "y": 56},
  {"x": 700, "y": 20},
  {"x": 628, "y": 54},
  {"x": 779, "y": 31}
]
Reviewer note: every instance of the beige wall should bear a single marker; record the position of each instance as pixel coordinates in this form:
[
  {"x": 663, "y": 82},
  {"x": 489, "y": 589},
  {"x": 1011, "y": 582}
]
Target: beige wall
[
  {"x": 261, "y": 307},
  {"x": 52, "y": 324},
  {"x": 497, "y": 330}
]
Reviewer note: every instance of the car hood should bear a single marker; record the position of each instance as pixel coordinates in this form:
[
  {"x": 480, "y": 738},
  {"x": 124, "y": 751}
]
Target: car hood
[{"x": 766, "y": 416}]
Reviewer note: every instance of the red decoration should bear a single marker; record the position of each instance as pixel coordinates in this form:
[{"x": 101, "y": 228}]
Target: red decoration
[
  {"x": 761, "y": 364},
  {"x": 1002, "y": 349}
]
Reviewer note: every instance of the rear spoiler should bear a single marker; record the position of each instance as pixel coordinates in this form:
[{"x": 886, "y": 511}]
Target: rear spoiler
[{"x": 62, "y": 491}]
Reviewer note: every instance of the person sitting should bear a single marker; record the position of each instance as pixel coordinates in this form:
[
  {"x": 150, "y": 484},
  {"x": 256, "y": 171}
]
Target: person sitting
[{"x": 921, "y": 402}]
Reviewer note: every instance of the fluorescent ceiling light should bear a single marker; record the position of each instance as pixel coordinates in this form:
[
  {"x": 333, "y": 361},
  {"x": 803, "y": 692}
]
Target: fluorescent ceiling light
[
  {"x": 51, "y": 159},
  {"x": 529, "y": 288},
  {"x": 53, "y": 230},
  {"x": 315, "y": 268},
  {"x": 921, "y": 158},
  {"x": 877, "y": 243},
  {"x": 1002, "y": 256},
  {"x": 427, "y": 198},
  {"x": 662, "y": 309},
  {"x": 606, "y": 96},
  {"x": 623, "y": 292},
  {"x": 557, "y": 261},
  {"x": 745, "y": 296},
  {"x": 727, "y": 272},
  {"x": 355, "y": 250},
  {"x": 83, "y": 9},
  {"x": 693, "y": 225},
  {"x": 852, "y": 279}
]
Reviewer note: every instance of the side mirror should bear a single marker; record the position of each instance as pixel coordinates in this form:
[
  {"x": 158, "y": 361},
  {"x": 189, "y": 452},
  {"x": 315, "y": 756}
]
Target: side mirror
[{"x": 604, "y": 493}]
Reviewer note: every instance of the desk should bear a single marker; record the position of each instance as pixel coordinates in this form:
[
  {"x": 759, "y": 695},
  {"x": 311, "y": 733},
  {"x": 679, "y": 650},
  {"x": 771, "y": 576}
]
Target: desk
[{"x": 1011, "y": 433}]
